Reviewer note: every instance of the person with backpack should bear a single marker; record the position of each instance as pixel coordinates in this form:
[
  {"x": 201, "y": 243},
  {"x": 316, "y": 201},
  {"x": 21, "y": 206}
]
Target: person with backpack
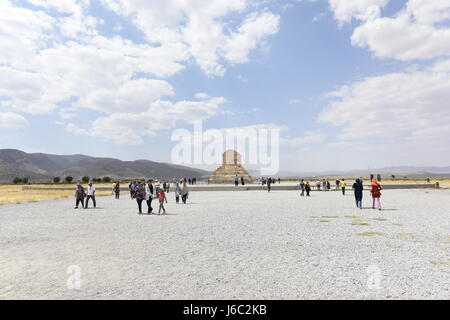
[
  {"x": 375, "y": 190},
  {"x": 79, "y": 196},
  {"x": 358, "y": 189},
  {"x": 161, "y": 198}
]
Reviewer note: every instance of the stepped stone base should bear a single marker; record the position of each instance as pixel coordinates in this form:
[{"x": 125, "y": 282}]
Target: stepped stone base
[{"x": 227, "y": 172}]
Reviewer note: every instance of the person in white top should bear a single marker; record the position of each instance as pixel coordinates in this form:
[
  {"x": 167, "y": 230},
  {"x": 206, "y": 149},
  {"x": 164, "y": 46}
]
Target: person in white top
[
  {"x": 149, "y": 195},
  {"x": 90, "y": 195}
]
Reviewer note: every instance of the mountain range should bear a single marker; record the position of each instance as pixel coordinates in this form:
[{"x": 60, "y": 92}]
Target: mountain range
[{"x": 42, "y": 167}]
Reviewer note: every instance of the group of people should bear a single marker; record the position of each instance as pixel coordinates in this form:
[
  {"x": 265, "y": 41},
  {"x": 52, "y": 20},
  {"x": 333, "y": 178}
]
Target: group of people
[
  {"x": 140, "y": 191},
  {"x": 81, "y": 195},
  {"x": 375, "y": 190}
]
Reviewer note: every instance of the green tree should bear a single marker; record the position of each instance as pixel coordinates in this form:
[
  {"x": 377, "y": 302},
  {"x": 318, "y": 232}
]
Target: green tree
[
  {"x": 25, "y": 180},
  {"x": 85, "y": 179},
  {"x": 69, "y": 179},
  {"x": 17, "y": 180},
  {"x": 106, "y": 179},
  {"x": 56, "y": 179}
]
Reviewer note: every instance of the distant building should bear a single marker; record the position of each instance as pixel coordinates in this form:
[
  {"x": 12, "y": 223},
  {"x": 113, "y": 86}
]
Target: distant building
[{"x": 231, "y": 166}]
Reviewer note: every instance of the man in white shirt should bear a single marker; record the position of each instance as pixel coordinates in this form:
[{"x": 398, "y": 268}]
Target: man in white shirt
[{"x": 90, "y": 195}]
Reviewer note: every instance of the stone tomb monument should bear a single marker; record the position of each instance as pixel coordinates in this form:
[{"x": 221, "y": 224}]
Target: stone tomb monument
[{"x": 231, "y": 166}]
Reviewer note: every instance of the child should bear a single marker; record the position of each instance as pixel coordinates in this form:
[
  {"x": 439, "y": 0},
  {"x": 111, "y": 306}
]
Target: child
[
  {"x": 376, "y": 193},
  {"x": 162, "y": 198}
]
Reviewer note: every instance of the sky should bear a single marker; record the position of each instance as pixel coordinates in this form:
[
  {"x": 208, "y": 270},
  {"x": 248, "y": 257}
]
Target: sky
[{"x": 350, "y": 84}]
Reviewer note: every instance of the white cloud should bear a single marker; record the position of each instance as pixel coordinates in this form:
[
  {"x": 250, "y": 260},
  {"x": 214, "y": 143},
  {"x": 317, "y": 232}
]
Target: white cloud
[
  {"x": 417, "y": 32},
  {"x": 404, "y": 112},
  {"x": 310, "y": 137},
  {"x": 10, "y": 120},
  {"x": 201, "y": 27},
  {"x": 134, "y": 128},
  {"x": 346, "y": 10}
]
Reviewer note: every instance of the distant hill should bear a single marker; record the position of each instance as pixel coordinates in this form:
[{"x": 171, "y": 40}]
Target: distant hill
[{"x": 41, "y": 167}]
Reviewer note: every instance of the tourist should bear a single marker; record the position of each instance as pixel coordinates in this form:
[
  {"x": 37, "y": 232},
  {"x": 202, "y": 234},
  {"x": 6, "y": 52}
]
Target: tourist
[
  {"x": 177, "y": 192},
  {"x": 161, "y": 198},
  {"x": 358, "y": 189},
  {"x": 318, "y": 185},
  {"x": 236, "y": 180},
  {"x": 279, "y": 180},
  {"x": 79, "y": 196},
  {"x": 307, "y": 188},
  {"x": 328, "y": 185},
  {"x": 376, "y": 193},
  {"x": 269, "y": 184},
  {"x": 324, "y": 185},
  {"x": 168, "y": 187},
  {"x": 149, "y": 195},
  {"x": 338, "y": 184},
  {"x": 189, "y": 180},
  {"x": 90, "y": 195},
  {"x": 302, "y": 187},
  {"x": 242, "y": 181},
  {"x": 343, "y": 185},
  {"x": 165, "y": 186},
  {"x": 139, "y": 195},
  {"x": 131, "y": 189},
  {"x": 117, "y": 189},
  {"x": 184, "y": 193}
]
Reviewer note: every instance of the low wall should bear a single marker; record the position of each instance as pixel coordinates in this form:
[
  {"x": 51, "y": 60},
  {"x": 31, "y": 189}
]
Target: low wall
[{"x": 249, "y": 187}]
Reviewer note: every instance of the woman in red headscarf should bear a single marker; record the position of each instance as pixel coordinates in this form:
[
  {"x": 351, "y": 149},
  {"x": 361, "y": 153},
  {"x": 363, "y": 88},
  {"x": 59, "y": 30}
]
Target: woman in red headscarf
[{"x": 376, "y": 193}]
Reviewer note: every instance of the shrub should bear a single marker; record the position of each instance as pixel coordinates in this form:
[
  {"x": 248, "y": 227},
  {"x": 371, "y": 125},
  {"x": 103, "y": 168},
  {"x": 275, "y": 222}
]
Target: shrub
[
  {"x": 25, "y": 180},
  {"x": 85, "y": 179},
  {"x": 17, "y": 180},
  {"x": 106, "y": 179},
  {"x": 69, "y": 179},
  {"x": 56, "y": 179}
]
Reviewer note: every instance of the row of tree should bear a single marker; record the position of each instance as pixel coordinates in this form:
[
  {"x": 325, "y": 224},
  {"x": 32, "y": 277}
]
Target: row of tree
[{"x": 67, "y": 179}]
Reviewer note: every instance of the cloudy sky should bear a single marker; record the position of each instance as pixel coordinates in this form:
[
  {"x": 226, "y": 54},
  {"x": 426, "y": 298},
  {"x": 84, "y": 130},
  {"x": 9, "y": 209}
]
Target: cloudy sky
[{"x": 352, "y": 83}]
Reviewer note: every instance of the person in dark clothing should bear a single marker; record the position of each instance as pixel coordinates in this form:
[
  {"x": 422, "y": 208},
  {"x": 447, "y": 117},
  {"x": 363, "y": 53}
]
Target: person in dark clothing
[
  {"x": 358, "y": 189},
  {"x": 139, "y": 195},
  {"x": 79, "y": 196},
  {"x": 242, "y": 181},
  {"x": 307, "y": 188},
  {"x": 236, "y": 180},
  {"x": 269, "y": 184},
  {"x": 302, "y": 187},
  {"x": 149, "y": 194}
]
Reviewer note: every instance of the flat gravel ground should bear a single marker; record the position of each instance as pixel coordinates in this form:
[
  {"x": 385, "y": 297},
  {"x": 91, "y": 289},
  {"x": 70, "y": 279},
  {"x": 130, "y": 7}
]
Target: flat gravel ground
[{"x": 230, "y": 245}]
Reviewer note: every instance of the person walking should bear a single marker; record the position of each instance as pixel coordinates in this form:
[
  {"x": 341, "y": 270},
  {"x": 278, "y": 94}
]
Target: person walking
[
  {"x": 338, "y": 184},
  {"x": 269, "y": 184},
  {"x": 117, "y": 189},
  {"x": 184, "y": 193},
  {"x": 161, "y": 198},
  {"x": 139, "y": 195},
  {"x": 236, "y": 180},
  {"x": 358, "y": 189},
  {"x": 375, "y": 190},
  {"x": 324, "y": 185},
  {"x": 318, "y": 185},
  {"x": 242, "y": 181},
  {"x": 328, "y": 186},
  {"x": 177, "y": 192},
  {"x": 79, "y": 196},
  {"x": 90, "y": 195},
  {"x": 343, "y": 185},
  {"x": 149, "y": 195},
  {"x": 302, "y": 187},
  {"x": 307, "y": 189}
]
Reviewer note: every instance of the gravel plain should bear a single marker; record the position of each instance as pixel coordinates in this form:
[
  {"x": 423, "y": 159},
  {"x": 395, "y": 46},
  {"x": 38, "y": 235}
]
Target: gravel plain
[{"x": 230, "y": 245}]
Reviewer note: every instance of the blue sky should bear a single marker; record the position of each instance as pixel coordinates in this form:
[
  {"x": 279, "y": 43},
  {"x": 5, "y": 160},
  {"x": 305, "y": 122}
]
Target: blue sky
[{"x": 353, "y": 83}]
